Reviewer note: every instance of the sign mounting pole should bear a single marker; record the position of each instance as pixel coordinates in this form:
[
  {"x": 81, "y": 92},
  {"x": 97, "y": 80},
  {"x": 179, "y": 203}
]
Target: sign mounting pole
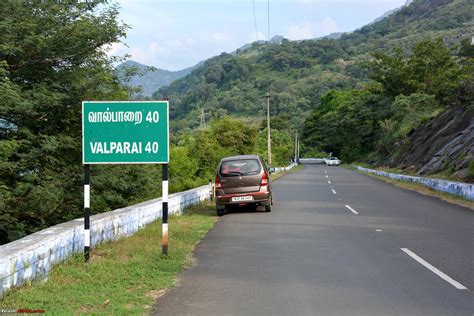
[
  {"x": 164, "y": 228},
  {"x": 87, "y": 205}
]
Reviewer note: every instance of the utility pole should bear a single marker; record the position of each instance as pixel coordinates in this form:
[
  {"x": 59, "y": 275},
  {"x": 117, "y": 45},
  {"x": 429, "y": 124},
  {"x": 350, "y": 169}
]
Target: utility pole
[
  {"x": 298, "y": 152},
  {"x": 203, "y": 118},
  {"x": 269, "y": 142},
  {"x": 296, "y": 145}
]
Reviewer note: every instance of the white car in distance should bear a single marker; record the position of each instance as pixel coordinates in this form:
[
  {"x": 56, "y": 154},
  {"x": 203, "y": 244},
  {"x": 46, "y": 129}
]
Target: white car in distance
[{"x": 333, "y": 161}]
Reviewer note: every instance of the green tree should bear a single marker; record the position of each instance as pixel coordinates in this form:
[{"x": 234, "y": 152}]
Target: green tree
[
  {"x": 345, "y": 123},
  {"x": 183, "y": 169},
  {"x": 205, "y": 148},
  {"x": 52, "y": 56},
  {"x": 429, "y": 69}
]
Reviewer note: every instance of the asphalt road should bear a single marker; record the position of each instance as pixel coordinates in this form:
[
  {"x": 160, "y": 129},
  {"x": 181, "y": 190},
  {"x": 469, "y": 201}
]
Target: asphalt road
[{"x": 312, "y": 255}]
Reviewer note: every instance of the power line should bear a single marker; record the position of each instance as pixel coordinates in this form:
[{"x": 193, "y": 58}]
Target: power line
[
  {"x": 268, "y": 16},
  {"x": 255, "y": 20},
  {"x": 269, "y": 141}
]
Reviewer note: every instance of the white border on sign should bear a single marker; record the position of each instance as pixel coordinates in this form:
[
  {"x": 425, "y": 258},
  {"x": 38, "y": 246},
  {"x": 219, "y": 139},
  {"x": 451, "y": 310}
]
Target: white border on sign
[{"x": 125, "y": 162}]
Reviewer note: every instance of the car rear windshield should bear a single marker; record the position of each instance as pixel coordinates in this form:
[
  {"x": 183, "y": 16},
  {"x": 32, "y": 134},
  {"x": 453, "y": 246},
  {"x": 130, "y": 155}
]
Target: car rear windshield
[{"x": 241, "y": 167}]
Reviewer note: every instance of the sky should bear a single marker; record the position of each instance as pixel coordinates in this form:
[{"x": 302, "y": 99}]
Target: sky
[{"x": 176, "y": 34}]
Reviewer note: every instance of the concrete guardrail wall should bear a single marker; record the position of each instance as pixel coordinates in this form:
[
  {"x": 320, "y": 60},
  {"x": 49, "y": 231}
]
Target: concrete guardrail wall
[
  {"x": 289, "y": 167},
  {"x": 33, "y": 256},
  {"x": 464, "y": 190}
]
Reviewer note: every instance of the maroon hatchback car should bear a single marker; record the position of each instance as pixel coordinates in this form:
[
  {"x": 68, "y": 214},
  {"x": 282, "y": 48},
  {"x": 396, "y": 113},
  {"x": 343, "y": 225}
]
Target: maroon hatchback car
[{"x": 243, "y": 180}]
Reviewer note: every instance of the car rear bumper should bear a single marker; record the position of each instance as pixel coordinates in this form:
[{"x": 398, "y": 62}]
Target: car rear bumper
[{"x": 261, "y": 197}]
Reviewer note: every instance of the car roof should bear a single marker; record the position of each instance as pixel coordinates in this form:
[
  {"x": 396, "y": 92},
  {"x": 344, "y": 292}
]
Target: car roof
[{"x": 240, "y": 157}]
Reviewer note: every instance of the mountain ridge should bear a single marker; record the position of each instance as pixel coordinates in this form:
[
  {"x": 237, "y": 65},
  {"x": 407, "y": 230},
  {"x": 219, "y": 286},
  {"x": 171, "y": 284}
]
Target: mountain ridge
[{"x": 153, "y": 78}]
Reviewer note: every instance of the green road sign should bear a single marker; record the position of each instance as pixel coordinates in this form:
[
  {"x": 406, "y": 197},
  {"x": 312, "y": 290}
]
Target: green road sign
[{"x": 129, "y": 132}]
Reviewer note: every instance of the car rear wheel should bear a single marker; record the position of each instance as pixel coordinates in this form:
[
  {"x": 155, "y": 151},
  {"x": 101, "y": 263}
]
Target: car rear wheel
[
  {"x": 268, "y": 208},
  {"x": 221, "y": 211}
]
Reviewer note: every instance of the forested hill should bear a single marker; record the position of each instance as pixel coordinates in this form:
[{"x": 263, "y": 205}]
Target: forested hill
[{"x": 297, "y": 74}]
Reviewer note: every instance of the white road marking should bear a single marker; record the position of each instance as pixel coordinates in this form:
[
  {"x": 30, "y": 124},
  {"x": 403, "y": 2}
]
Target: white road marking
[
  {"x": 378, "y": 230},
  {"x": 325, "y": 171},
  {"x": 329, "y": 182},
  {"x": 443, "y": 276},
  {"x": 333, "y": 192},
  {"x": 327, "y": 176},
  {"x": 351, "y": 209}
]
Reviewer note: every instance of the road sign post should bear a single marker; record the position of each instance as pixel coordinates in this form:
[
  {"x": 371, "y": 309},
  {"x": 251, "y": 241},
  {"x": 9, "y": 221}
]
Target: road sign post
[
  {"x": 87, "y": 202},
  {"x": 125, "y": 132},
  {"x": 164, "y": 225}
]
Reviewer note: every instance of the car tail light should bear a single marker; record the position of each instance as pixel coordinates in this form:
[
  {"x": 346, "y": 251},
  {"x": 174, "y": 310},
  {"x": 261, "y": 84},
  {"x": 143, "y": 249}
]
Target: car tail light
[
  {"x": 264, "y": 179},
  {"x": 218, "y": 182}
]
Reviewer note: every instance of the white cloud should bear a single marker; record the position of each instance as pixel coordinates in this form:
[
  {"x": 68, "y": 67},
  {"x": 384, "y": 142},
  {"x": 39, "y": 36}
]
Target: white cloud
[
  {"x": 260, "y": 35},
  {"x": 300, "y": 31},
  {"x": 147, "y": 55},
  {"x": 170, "y": 53},
  {"x": 137, "y": 54},
  {"x": 114, "y": 49},
  {"x": 220, "y": 36},
  {"x": 309, "y": 29},
  {"x": 328, "y": 26}
]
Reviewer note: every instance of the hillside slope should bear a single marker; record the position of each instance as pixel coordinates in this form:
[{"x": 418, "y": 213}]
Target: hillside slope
[{"x": 444, "y": 144}]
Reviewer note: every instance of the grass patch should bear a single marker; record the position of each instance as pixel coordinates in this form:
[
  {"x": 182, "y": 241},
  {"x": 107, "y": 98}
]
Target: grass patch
[
  {"x": 123, "y": 277},
  {"x": 421, "y": 189}
]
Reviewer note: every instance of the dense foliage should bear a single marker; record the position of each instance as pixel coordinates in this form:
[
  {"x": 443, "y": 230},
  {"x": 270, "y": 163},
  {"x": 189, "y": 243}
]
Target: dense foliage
[
  {"x": 236, "y": 84},
  {"x": 346, "y": 123},
  {"x": 52, "y": 56}
]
